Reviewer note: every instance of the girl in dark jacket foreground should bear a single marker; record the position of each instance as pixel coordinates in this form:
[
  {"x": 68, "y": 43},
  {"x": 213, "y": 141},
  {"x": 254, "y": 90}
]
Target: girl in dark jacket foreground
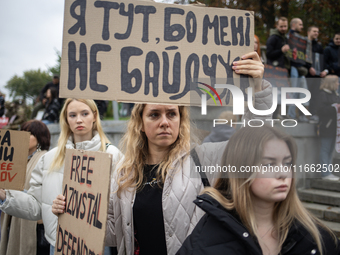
[{"x": 258, "y": 213}]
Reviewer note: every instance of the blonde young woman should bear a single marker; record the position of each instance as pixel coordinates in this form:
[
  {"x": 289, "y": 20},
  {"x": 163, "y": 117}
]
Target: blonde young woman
[
  {"x": 80, "y": 129},
  {"x": 151, "y": 209},
  {"x": 258, "y": 213}
]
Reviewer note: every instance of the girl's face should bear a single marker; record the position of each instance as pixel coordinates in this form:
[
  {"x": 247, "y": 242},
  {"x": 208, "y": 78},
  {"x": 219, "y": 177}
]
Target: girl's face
[
  {"x": 80, "y": 119},
  {"x": 274, "y": 185},
  {"x": 161, "y": 124}
]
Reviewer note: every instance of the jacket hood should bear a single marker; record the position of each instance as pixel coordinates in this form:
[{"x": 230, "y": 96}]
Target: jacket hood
[
  {"x": 274, "y": 31},
  {"x": 332, "y": 44}
]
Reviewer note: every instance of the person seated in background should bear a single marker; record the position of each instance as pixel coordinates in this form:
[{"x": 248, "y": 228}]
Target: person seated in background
[
  {"x": 51, "y": 114},
  {"x": 258, "y": 212},
  {"x": 223, "y": 130},
  {"x": 20, "y": 236},
  {"x": 17, "y": 114},
  {"x": 41, "y": 100}
]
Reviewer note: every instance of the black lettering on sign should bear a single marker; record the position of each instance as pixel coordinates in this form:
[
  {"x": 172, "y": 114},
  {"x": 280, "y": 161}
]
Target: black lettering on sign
[
  {"x": 248, "y": 30},
  {"x": 107, "y": 7},
  {"x": 79, "y": 17},
  {"x": 175, "y": 32},
  {"x": 237, "y": 30},
  {"x": 176, "y": 75},
  {"x": 6, "y": 139},
  {"x": 126, "y": 77},
  {"x": 73, "y": 65},
  {"x": 146, "y": 10},
  {"x": 207, "y": 24},
  {"x": 224, "y": 24},
  {"x": 192, "y": 60},
  {"x": 230, "y": 79},
  {"x": 129, "y": 15},
  {"x": 5, "y": 155},
  {"x": 210, "y": 70},
  {"x": 95, "y": 67},
  {"x": 191, "y": 35},
  {"x": 151, "y": 57}
]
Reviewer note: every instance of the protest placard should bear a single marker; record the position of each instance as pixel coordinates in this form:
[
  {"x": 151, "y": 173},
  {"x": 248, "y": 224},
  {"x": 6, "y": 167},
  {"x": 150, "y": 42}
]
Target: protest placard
[
  {"x": 81, "y": 229},
  {"x": 13, "y": 158},
  {"x": 277, "y": 76},
  {"x": 298, "y": 49},
  {"x": 141, "y": 51}
]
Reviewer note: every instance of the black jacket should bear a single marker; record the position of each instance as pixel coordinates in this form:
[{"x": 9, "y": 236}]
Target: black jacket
[
  {"x": 327, "y": 113},
  {"x": 274, "y": 54},
  {"x": 331, "y": 59},
  {"x": 221, "y": 232}
]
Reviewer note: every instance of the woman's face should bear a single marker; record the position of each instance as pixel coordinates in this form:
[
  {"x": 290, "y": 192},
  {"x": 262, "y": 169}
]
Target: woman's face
[
  {"x": 161, "y": 124},
  {"x": 274, "y": 185},
  {"x": 48, "y": 93},
  {"x": 33, "y": 144},
  {"x": 80, "y": 119}
]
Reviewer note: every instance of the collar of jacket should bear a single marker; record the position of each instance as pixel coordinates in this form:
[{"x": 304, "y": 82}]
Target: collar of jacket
[
  {"x": 231, "y": 221},
  {"x": 93, "y": 145}
]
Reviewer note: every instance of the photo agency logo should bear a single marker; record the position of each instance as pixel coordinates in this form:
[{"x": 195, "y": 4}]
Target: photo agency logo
[{"x": 239, "y": 104}]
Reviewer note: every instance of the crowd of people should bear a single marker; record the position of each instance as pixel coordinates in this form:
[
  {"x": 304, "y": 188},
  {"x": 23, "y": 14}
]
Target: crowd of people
[
  {"x": 153, "y": 186},
  {"x": 319, "y": 73},
  {"x": 158, "y": 203}
]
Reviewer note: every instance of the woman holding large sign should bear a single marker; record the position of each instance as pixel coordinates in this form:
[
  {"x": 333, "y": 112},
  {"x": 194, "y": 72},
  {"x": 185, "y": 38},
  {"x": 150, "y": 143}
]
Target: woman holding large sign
[
  {"x": 80, "y": 129},
  {"x": 20, "y": 236},
  {"x": 151, "y": 209}
]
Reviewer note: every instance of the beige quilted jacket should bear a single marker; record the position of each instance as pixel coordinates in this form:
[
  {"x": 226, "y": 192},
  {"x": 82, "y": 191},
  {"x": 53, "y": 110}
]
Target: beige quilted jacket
[{"x": 182, "y": 185}]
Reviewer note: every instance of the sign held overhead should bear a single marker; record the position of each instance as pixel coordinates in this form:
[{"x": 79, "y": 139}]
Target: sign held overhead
[{"x": 148, "y": 52}]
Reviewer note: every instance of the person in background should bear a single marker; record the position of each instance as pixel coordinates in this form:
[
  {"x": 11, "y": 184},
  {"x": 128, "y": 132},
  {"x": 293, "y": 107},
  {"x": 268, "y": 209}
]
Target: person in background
[
  {"x": 102, "y": 107},
  {"x": 277, "y": 45},
  {"x": 257, "y": 47},
  {"x": 258, "y": 213},
  {"x": 20, "y": 236},
  {"x": 328, "y": 98},
  {"x": 41, "y": 100},
  {"x": 81, "y": 128},
  {"x": 51, "y": 114},
  {"x": 2, "y": 104},
  {"x": 331, "y": 56},
  {"x": 314, "y": 84},
  {"x": 223, "y": 130},
  {"x": 276, "y": 49}
]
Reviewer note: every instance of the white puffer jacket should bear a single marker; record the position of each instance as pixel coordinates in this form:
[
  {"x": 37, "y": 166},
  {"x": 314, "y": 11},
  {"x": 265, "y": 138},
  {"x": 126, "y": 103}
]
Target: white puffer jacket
[
  {"x": 37, "y": 203},
  {"x": 182, "y": 185}
]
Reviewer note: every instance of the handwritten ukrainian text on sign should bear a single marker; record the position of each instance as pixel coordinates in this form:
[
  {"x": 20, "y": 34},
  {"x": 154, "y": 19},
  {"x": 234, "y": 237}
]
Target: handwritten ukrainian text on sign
[
  {"x": 81, "y": 229},
  {"x": 13, "y": 158},
  {"x": 142, "y": 51}
]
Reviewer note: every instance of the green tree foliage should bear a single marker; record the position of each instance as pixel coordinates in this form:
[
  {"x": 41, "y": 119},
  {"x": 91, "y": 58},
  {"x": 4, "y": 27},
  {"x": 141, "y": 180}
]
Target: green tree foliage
[
  {"x": 56, "y": 69},
  {"x": 28, "y": 85},
  {"x": 324, "y": 14}
]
